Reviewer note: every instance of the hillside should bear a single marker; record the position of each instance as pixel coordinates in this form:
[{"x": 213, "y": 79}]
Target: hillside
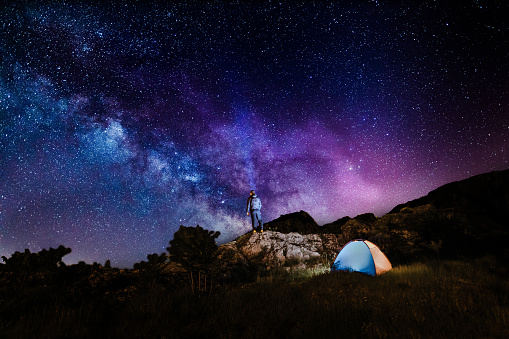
[{"x": 461, "y": 219}]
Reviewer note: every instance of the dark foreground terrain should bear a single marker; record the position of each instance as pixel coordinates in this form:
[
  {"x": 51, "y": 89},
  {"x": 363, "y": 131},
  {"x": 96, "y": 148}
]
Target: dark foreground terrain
[{"x": 420, "y": 300}]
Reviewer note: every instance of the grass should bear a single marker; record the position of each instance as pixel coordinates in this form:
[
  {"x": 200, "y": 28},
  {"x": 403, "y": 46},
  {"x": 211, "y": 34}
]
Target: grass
[{"x": 422, "y": 300}]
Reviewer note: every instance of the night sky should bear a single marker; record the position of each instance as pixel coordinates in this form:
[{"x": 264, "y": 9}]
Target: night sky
[{"x": 119, "y": 123}]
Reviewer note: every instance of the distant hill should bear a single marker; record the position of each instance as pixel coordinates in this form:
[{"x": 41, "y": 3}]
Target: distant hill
[{"x": 484, "y": 196}]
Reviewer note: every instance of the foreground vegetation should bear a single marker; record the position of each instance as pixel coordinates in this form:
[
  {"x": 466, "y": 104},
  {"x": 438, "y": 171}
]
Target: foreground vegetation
[{"x": 420, "y": 300}]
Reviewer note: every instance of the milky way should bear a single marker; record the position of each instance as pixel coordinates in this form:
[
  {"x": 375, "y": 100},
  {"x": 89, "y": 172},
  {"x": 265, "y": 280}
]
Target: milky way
[{"x": 119, "y": 123}]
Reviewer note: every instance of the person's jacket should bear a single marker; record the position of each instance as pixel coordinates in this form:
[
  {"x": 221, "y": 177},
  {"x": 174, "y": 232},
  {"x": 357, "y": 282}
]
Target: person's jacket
[{"x": 253, "y": 203}]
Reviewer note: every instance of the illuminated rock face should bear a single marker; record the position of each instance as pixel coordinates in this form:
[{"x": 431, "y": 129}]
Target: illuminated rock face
[
  {"x": 276, "y": 249},
  {"x": 242, "y": 259},
  {"x": 281, "y": 247}
]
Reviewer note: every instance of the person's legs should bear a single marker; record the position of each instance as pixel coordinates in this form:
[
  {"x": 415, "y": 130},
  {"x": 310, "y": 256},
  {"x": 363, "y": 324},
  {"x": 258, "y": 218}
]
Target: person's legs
[
  {"x": 253, "y": 220},
  {"x": 258, "y": 219}
]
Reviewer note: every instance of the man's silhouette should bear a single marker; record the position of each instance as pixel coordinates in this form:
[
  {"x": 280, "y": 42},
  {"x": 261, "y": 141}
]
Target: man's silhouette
[{"x": 254, "y": 205}]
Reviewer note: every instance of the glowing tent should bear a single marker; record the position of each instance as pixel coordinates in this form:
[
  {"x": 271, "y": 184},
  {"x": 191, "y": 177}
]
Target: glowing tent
[{"x": 362, "y": 256}]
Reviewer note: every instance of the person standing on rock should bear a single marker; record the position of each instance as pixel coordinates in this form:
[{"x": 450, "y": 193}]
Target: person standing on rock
[{"x": 254, "y": 205}]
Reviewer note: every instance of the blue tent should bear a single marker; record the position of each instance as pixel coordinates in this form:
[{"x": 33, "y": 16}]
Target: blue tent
[{"x": 362, "y": 256}]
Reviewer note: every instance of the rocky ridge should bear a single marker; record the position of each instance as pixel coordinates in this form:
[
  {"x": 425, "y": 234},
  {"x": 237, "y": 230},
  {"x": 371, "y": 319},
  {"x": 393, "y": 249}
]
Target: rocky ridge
[{"x": 460, "y": 219}]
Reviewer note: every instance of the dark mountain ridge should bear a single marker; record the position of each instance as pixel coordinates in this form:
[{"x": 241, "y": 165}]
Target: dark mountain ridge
[{"x": 485, "y": 196}]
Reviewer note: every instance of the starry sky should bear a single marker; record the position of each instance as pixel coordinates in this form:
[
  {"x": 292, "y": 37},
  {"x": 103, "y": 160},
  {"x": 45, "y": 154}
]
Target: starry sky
[{"x": 120, "y": 122}]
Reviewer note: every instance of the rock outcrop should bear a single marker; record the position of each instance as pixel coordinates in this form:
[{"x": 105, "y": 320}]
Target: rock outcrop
[
  {"x": 238, "y": 259},
  {"x": 273, "y": 248}
]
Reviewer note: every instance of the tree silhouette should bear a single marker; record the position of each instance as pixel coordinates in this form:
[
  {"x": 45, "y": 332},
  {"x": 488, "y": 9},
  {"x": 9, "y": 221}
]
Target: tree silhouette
[
  {"x": 43, "y": 261},
  {"x": 194, "y": 248}
]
